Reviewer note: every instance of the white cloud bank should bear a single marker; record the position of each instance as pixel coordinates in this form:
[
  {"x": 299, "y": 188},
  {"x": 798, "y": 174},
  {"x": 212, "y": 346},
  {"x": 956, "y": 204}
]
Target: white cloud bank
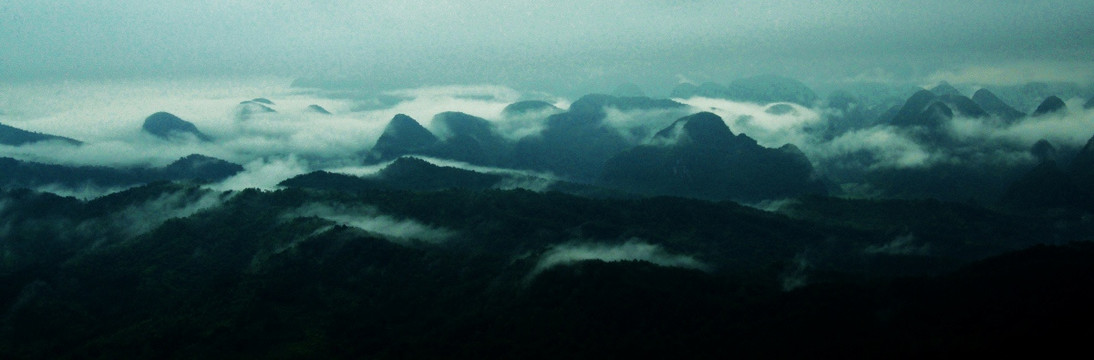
[
  {"x": 400, "y": 231},
  {"x": 633, "y": 249}
]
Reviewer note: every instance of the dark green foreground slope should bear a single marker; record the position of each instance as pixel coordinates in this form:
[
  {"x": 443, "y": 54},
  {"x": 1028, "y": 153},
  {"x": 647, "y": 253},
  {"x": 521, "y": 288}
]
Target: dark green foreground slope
[{"x": 176, "y": 271}]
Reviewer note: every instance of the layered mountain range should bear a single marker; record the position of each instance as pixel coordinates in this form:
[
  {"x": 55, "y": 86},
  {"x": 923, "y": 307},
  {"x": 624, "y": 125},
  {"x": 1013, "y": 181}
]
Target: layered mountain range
[
  {"x": 646, "y": 146},
  {"x": 612, "y": 229},
  {"x": 695, "y": 156}
]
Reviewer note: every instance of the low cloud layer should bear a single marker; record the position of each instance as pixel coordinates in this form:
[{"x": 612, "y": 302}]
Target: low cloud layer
[
  {"x": 272, "y": 146},
  {"x": 401, "y": 231},
  {"x": 143, "y": 217},
  {"x": 901, "y": 245},
  {"x": 108, "y": 116},
  {"x": 631, "y": 250},
  {"x": 979, "y": 139},
  {"x": 768, "y": 128},
  {"x": 263, "y": 174},
  {"x": 1017, "y": 73}
]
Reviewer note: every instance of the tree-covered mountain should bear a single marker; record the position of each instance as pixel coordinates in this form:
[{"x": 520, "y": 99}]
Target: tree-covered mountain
[
  {"x": 489, "y": 273},
  {"x": 469, "y": 139},
  {"x": 405, "y": 173},
  {"x": 576, "y": 143},
  {"x": 698, "y": 156},
  {"x": 410, "y": 173},
  {"x": 17, "y": 173},
  {"x": 927, "y": 115},
  {"x": 941, "y": 158},
  {"x": 403, "y": 135},
  {"x": 1051, "y": 187},
  {"x": 607, "y": 229},
  {"x": 15, "y": 137}
]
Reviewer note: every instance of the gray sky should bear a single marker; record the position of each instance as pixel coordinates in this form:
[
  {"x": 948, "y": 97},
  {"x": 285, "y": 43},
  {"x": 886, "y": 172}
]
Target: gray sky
[{"x": 562, "y": 46}]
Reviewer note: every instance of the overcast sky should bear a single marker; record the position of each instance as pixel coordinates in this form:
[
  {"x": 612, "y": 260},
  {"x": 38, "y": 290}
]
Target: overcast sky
[{"x": 554, "y": 45}]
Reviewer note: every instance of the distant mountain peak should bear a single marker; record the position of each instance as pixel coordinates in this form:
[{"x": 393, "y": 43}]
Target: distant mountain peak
[
  {"x": 249, "y": 108},
  {"x": 944, "y": 88},
  {"x": 521, "y": 107},
  {"x": 166, "y": 126},
  {"x": 454, "y": 123},
  {"x": 318, "y": 109},
  {"x": 702, "y": 158},
  {"x": 964, "y": 105},
  {"x": 403, "y": 122},
  {"x": 780, "y": 109},
  {"x": 402, "y": 135},
  {"x": 702, "y": 129},
  {"x": 197, "y": 166},
  {"x": 996, "y": 106},
  {"x": 260, "y": 101},
  {"x": 910, "y": 113},
  {"x": 1050, "y": 105}
]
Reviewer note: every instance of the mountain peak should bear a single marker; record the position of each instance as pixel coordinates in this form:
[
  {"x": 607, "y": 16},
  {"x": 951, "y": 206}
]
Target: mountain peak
[
  {"x": 201, "y": 167},
  {"x": 403, "y": 122},
  {"x": 1052, "y": 104},
  {"x": 457, "y": 123},
  {"x": 964, "y": 105},
  {"x": 259, "y": 100},
  {"x": 318, "y": 109},
  {"x": 401, "y": 136},
  {"x": 246, "y": 109},
  {"x": 521, "y": 107},
  {"x": 780, "y": 109},
  {"x": 166, "y": 125},
  {"x": 944, "y": 88},
  {"x": 914, "y": 108},
  {"x": 702, "y": 128},
  {"x": 996, "y": 106}
]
